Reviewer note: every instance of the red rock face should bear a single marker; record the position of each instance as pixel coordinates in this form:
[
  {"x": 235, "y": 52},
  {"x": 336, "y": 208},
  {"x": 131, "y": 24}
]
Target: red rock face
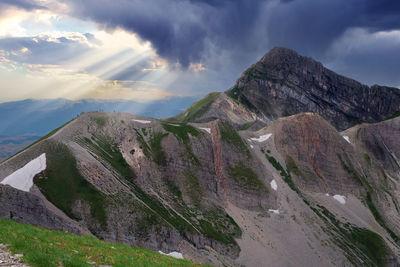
[
  {"x": 320, "y": 151},
  {"x": 218, "y": 160}
]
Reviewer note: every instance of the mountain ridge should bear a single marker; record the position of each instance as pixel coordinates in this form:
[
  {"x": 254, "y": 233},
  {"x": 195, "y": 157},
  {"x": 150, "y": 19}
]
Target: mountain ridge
[
  {"x": 46, "y": 115},
  {"x": 284, "y": 83},
  {"x": 301, "y": 84},
  {"x": 220, "y": 184},
  {"x": 249, "y": 199},
  {"x": 36, "y": 118}
]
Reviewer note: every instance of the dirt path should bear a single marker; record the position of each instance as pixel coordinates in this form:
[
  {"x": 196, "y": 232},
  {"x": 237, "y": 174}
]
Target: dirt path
[{"x": 7, "y": 259}]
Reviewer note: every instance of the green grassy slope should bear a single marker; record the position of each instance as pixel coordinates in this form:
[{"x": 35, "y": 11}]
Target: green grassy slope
[
  {"x": 397, "y": 114},
  {"x": 43, "y": 247},
  {"x": 196, "y": 110},
  {"x": 62, "y": 184}
]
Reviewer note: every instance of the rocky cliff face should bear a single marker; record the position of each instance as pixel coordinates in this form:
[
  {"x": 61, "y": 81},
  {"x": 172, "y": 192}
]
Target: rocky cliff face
[
  {"x": 317, "y": 155},
  {"x": 222, "y": 187},
  {"x": 284, "y": 83}
]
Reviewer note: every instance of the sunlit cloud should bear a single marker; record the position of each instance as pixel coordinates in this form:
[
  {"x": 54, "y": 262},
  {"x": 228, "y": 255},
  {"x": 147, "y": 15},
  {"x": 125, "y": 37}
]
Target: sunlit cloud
[
  {"x": 197, "y": 67},
  {"x": 155, "y": 65},
  {"x": 40, "y": 65},
  {"x": 46, "y": 53},
  {"x": 10, "y": 20},
  {"x": 119, "y": 90},
  {"x": 21, "y": 51},
  {"x": 41, "y": 81},
  {"x": 3, "y": 57}
]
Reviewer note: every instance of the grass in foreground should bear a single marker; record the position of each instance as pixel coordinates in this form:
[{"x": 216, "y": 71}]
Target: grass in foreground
[{"x": 43, "y": 247}]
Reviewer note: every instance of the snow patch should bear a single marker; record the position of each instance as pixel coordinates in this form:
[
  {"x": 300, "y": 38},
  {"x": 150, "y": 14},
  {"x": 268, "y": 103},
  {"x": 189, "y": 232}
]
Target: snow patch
[
  {"x": 274, "y": 185},
  {"x": 173, "y": 254},
  {"x": 262, "y": 138},
  {"x": 346, "y": 138},
  {"x": 208, "y": 130},
  {"x": 327, "y": 194},
  {"x": 22, "y": 179},
  {"x": 142, "y": 121},
  {"x": 274, "y": 211},
  {"x": 341, "y": 199},
  {"x": 251, "y": 146}
]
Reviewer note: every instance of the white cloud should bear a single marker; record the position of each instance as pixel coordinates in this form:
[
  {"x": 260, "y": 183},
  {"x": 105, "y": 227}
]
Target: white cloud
[
  {"x": 360, "y": 38},
  {"x": 198, "y": 67},
  {"x": 367, "y": 56},
  {"x": 38, "y": 80},
  {"x": 20, "y": 52},
  {"x": 45, "y": 53},
  {"x": 10, "y": 21},
  {"x": 117, "y": 90}
]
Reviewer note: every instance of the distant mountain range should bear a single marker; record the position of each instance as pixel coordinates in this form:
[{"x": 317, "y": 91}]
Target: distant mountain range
[
  {"x": 38, "y": 117},
  {"x": 9, "y": 145},
  {"x": 23, "y": 122}
]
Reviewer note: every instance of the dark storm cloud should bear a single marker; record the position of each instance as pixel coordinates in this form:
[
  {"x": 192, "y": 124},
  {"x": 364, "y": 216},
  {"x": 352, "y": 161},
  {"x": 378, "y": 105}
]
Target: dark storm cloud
[
  {"x": 23, "y": 4},
  {"x": 184, "y": 31},
  {"x": 311, "y": 26},
  {"x": 181, "y": 31},
  {"x": 372, "y": 65},
  {"x": 383, "y": 8}
]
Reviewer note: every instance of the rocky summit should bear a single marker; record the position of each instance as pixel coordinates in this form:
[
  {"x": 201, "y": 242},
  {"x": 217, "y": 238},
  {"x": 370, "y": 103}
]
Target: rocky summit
[
  {"x": 293, "y": 166},
  {"x": 284, "y": 83}
]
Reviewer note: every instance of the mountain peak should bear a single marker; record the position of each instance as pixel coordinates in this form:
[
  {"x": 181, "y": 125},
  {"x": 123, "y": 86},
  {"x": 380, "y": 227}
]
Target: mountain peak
[
  {"x": 279, "y": 53},
  {"x": 282, "y": 59},
  {"x": 284, "y": 83}
]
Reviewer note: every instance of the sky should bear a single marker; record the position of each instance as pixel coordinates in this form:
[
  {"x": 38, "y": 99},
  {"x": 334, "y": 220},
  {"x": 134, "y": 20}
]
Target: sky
[{"x": 147, "y": 50}]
